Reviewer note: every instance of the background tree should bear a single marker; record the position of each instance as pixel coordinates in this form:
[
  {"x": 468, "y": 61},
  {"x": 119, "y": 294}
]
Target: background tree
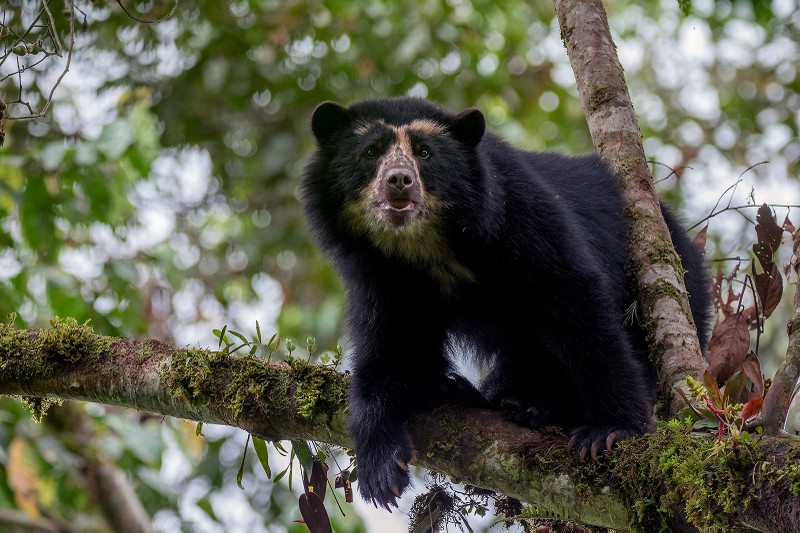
[{"x": 158, "y": 197}]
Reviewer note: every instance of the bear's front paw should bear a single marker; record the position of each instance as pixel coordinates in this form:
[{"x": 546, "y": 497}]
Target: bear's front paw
[
  {"x": 593, "y": 440},
  {"x": 523, "y": 414},
  {"x": 383, "y": 473}
]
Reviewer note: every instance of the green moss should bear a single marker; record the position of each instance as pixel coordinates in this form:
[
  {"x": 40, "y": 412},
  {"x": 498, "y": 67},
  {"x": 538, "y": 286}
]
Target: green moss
[
  {"x": 39, "y": 406},
  {"x": 792, "y": 473},
  {"x": 14, "y": 345},
  {"x": 190, "y": 374},
  {"x": 25, "y": 355},
  {"x": 250, "y": 384},
  {"x": 316, "y": 390},
  {"x": 253, "y": 383},
  {"x": 709, "y": 483},
  {"x": 144, "y": 350},
  {"x": 69, "y": 341}
]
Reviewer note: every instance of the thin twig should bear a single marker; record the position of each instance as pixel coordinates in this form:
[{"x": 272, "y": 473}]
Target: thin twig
[
  {"x": 49, "y": 101},
  {"x": 162, "y": 19},
  {"x": 732, "y": 190},
  {"x": 673, "y": 172},
  {"x": 53, "y": 32}
]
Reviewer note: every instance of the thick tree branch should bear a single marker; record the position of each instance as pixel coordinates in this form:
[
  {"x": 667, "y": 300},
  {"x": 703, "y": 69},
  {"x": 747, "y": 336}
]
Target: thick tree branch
[
  {"x": 616, "y": 137},
  {"x": 671, "y": 474}
]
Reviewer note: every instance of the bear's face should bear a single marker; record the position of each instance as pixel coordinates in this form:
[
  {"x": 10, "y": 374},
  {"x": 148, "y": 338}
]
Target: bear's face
[
  {"x": 393, "y": 174},
  {"x": 398, "y": 173}
]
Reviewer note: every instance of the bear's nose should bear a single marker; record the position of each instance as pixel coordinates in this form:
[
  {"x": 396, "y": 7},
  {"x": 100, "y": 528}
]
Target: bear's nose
[{"x": 399, "y": 178}]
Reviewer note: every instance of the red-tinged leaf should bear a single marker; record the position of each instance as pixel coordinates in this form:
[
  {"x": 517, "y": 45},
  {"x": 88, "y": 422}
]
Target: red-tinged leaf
[
  {"x": 714, "y": 393},
  {"x": 343, "y": 482},
  {"x": 314, "y": 513},
  {"x": 769, "y": 287},
  {"x": 730, "y": 342},
  {"x": 769, "y": 235},
  {"x": 752, "y": 408},
  {"x": 752, "y": 369},
  {"x": 700, "y": 239}
]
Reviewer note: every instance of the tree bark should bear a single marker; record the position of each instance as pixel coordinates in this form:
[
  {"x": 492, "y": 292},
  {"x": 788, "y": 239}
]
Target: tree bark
[
  {"x": 670, "y": 475},
  {"x": 663, "y": 300}
]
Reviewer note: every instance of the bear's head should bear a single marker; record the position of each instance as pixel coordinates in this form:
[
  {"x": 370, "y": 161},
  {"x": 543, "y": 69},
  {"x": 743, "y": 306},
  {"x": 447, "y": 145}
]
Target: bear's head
[
  {"x": 393, "y": 160},
  {"x": 397, "y": 173}
]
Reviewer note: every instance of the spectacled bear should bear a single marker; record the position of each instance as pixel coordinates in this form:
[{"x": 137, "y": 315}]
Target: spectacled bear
[{"x": 447, "y": 237}]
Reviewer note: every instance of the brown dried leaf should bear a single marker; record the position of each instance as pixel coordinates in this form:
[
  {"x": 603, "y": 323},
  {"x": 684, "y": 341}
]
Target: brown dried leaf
[
  {"x": 752, "y": 369},
  {"x": 717, "y": 287},
  {"x": 314, "y": 514},
  {"x": 769, "y": 288},
  {"x": 769, "y": 235},
  {"x": 720, "y": 304},
  {"x": 750, "y": 316},
  {"x": 319, "y": 478},
  {"x": 700, "y": 239},
  {"x": 730, "y": 342}
]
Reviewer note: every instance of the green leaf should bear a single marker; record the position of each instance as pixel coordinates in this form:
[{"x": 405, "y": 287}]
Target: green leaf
[
  {"x": 204, "y": 503},
  {"x": 263, "y": 455},
  {"x": 304, "y": 455},
  {"x": 280, "y": 475},
  {"x": 280, "y": 447},
  {"x": 240, "y": 473},
  {"x": 240, "y": 336},
  {"x": 707, "y": 423},
  {"x": 735, "y": 388}
]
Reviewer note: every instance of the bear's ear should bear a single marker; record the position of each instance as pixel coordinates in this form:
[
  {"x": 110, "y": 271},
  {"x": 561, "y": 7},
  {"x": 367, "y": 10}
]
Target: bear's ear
[
  {"x": 328, "y": 118},
  {"x": 468, "y": 127}
]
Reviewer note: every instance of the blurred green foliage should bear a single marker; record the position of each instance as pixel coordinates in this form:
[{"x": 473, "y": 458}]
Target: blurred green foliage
[{"x": 159, "y": 196}]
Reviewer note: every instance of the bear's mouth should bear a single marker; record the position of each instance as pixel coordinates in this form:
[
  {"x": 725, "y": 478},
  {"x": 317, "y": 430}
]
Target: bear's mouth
[
  {"x": 398, "y": 211},
  {"x": 398, "y": 204}
]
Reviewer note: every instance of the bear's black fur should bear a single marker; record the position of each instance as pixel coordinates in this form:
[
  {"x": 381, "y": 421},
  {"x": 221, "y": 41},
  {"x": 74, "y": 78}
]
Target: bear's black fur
[{"x": 447, "y": 237}]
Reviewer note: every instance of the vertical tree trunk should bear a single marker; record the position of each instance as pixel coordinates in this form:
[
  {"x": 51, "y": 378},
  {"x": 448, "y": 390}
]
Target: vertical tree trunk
[{"x": 664, "y": 304}]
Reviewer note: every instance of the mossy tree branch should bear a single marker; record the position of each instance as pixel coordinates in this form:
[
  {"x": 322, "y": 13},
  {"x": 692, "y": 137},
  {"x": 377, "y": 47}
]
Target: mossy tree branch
[
  {"x": 670, "y": 475},
  {"x": 616, "y": 137}
]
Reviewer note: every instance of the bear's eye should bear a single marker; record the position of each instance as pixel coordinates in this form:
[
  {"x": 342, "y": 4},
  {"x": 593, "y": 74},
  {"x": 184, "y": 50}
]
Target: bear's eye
[
  {"x": 424, "y": 153},
  {"x": 372, "y": 152}
]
